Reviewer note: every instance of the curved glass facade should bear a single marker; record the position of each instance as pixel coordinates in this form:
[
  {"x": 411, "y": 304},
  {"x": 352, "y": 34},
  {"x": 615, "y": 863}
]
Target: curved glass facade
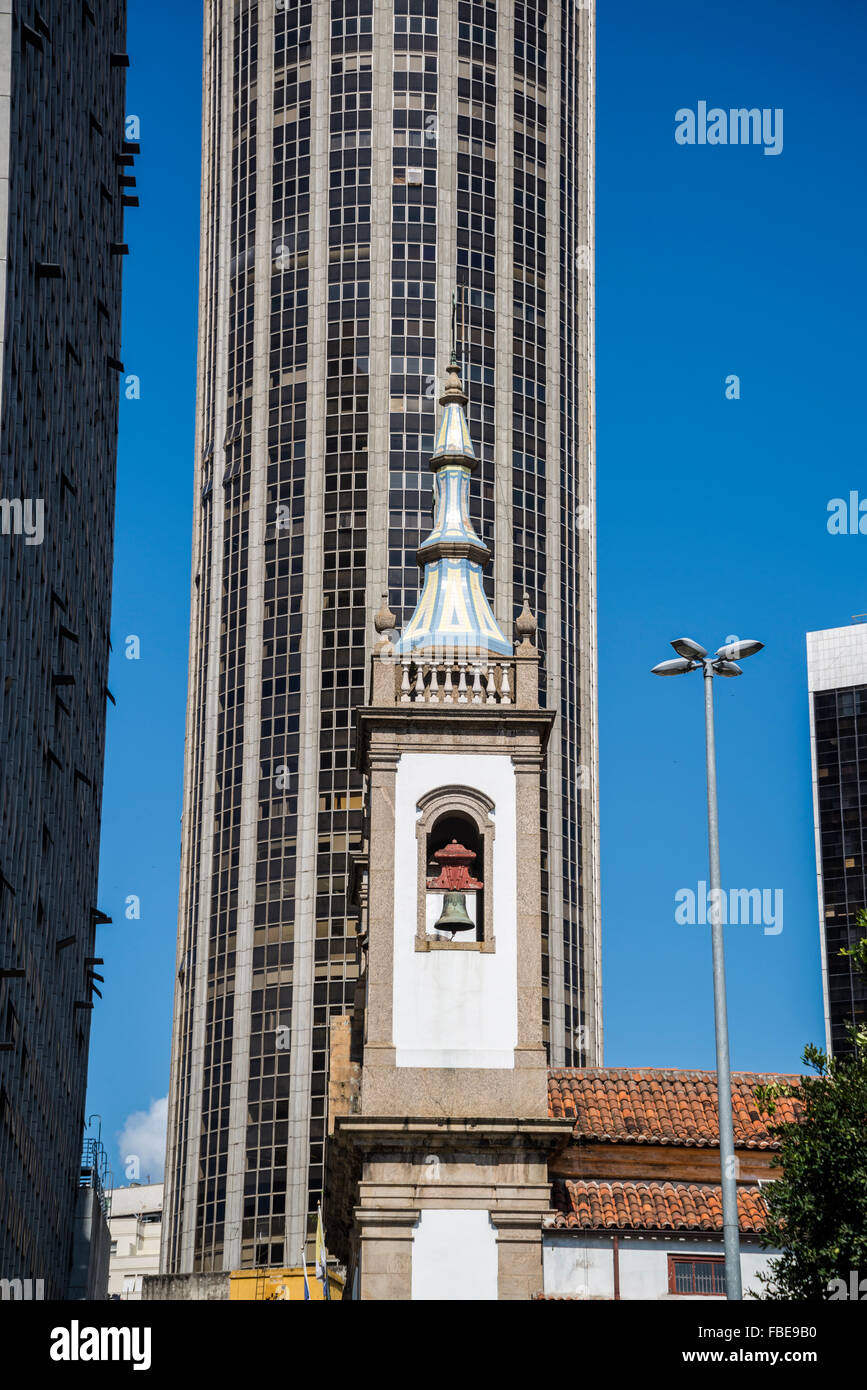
[{"x": 379, "y": 180}]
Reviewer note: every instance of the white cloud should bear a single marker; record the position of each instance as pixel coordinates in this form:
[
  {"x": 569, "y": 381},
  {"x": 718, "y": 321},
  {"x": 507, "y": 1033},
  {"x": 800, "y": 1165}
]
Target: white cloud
[{"x": 142, "y": 1143}]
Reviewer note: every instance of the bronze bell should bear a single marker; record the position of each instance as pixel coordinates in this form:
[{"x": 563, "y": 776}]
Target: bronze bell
[{"x": 454, "y": 914}]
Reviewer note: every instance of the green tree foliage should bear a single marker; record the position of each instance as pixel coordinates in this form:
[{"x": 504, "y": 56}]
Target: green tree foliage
[{"x": 817, "y": 1209}]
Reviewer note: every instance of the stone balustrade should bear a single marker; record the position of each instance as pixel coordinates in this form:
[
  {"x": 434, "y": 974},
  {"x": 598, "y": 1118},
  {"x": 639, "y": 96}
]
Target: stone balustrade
[
  {"x": 445, "y": 678},
  {"x": 456, "y": 681}
]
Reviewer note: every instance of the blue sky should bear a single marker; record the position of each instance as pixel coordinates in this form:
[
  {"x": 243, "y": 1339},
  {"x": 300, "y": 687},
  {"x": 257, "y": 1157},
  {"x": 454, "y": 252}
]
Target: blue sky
[{"x": 712, "y": 514}]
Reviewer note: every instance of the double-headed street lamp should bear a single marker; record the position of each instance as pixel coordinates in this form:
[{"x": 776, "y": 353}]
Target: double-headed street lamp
[{"x": 724, "y": 662}]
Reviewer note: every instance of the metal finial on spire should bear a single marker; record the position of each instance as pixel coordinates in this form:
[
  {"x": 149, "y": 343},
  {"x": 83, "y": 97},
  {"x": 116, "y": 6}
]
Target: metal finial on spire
[
  {"x": 454, "y": 395},
  {"x": 454, "y": 359}
]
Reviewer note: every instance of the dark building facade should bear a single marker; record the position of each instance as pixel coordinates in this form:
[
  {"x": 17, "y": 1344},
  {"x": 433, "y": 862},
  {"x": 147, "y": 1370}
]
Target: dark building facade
[
  {"x": 379, "y": 180},
  {"x": 62, "y": 166},
  {"x": 837, "y": 679}
]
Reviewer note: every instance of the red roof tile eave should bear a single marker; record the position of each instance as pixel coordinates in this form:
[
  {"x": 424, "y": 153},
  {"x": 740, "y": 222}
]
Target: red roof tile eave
[
  {"x": 666, "y": 1140},
  {"x": 662, "y": 1106},
  {"x": 624, "y": 1207}
]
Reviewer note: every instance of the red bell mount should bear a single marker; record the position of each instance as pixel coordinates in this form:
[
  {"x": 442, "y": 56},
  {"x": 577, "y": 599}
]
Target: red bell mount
[{"x": 454, "y": 876}]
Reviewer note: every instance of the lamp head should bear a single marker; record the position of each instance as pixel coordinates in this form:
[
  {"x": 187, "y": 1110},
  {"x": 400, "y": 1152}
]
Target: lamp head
[
  {"x": 737, "y": 651},
  {"x": 678, "y": 667},
  {"x": 684, "y": 646}
]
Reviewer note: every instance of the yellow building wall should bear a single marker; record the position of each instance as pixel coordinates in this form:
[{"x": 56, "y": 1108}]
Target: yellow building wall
[{"x": 281, "y": 1285}]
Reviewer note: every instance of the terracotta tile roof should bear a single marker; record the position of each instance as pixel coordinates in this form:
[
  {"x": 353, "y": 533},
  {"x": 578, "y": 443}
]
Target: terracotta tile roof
[
  {"x": 650, "y": 1206},
  {"x": 648, "y": 1105}
]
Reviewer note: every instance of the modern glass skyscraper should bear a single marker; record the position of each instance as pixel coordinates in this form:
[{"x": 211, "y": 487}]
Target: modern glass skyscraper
[
  {"x": 837, "y": 681},
  {"x": 380, "y": 178},
  {"x": 64, "y": 183}
]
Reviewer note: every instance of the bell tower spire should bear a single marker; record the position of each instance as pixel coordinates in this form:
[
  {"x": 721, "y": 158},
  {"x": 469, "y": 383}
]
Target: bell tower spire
[
  {"x": 448, "y": 1127},
  {"x": 453, "y": 613}
]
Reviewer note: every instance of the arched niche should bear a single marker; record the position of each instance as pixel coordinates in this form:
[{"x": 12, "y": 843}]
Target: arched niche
[{"x": 466, "y": 815}]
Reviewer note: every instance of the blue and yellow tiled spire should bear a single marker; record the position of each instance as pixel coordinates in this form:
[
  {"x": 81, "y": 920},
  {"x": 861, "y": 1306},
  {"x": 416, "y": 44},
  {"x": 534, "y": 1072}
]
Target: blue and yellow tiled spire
[{"x": 453, "y": 612}]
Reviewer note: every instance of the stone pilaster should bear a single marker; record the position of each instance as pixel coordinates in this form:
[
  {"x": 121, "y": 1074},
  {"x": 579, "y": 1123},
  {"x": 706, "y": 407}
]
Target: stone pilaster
[
  {"x": 528, "y": 769},
  {"x": 519, "y": 1243},
  {"x": 385, "y": 1253},
  {"x": 381, "y": 773}
]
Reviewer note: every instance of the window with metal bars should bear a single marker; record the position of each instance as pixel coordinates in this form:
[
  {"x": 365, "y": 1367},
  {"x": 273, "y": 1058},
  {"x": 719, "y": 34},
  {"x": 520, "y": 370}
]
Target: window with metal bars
[{"x": 696, "y": 1274}]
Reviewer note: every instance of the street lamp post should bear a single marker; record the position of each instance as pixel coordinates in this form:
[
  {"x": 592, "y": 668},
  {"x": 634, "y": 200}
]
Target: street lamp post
[{"x": 690, "y": 657}]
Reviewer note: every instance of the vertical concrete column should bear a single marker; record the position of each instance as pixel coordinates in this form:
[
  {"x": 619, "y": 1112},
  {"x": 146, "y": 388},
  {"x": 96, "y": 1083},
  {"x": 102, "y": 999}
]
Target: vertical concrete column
[
  {"x": 557, "y": 534},
  {"x": 504, "y": 599},
  {"x": 297, "y": 1158},
  {"x": 385, "y": 1254},
  {"x": 585, "y": 21},
  {"x": 257, "y": 522},
  {"x": 217, "y": 145},
  {"x": 519, "y": 1245},
  {"x": 380, "y": 307},
  {"x": 447, "y": 174}
]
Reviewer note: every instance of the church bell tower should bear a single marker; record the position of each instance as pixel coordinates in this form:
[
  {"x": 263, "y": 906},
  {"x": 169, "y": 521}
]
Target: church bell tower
[{"x": 449, "y": 1142}]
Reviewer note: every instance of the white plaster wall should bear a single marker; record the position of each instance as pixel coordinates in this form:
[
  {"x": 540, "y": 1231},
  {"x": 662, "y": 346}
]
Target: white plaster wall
[
  {"x": 454, "y": 1256},
  {"x": 644, "y": 1267},
  {"x": 455, "y": 1008},
  {"x": 580, "y": 1266},
  {"x": 753, "y": 1263},
  {"x": 583, "y": 1266}
]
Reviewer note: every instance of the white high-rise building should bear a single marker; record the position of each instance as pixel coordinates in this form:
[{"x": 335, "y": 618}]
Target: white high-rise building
[
  {"x": 135, "y": 1217},
  {"x": 837, "y": 683}
]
